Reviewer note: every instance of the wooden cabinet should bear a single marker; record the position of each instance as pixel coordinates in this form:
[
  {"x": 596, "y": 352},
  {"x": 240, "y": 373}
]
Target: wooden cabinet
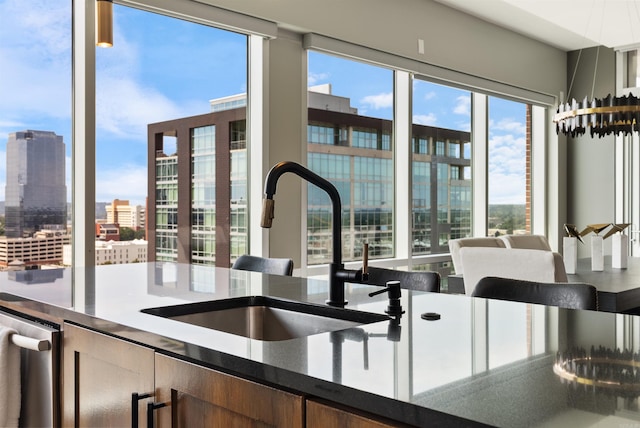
[
  {"x": 328, "y": 415},
  {"x": 100, "y": 374},
  {"x": 199, "y": 397}
]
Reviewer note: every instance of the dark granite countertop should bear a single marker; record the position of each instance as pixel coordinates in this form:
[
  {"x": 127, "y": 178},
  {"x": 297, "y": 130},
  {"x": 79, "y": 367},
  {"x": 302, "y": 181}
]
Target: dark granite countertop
[{"x": 482, "y": 362}]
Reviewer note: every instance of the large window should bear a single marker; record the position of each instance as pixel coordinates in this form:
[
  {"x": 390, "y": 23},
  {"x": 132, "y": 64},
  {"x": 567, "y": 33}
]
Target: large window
[
  {"x": 35, "y": 124},
  {"x": 441, "y": 156},
  {"x": 178, "y": 125},
  {"x": 350, "y": 143},
  {"x": 509, "y": 164}
]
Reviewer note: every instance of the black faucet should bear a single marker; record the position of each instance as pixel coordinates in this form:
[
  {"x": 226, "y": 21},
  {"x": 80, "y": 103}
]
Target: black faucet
[{"x": 338, "y": 275}]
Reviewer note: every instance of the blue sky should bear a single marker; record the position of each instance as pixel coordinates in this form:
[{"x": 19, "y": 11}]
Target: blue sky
[{"x": 162, "y": 68}]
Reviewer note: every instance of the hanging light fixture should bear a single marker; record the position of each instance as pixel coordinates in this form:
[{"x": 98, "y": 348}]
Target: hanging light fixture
[
  {"x": 601, "y": 116},
  {"x": 104, "y": 23},
  {"x": 609, "y": 115}
]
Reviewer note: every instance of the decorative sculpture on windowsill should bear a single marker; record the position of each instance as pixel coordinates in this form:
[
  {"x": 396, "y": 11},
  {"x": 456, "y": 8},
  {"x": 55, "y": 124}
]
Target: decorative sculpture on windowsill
[{"x": 619, "y": 245}]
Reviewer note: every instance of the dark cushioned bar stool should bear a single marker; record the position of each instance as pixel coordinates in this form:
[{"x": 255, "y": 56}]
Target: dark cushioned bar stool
[
  {"x": 563, "y": 294},
  {"x": 273, "y": 266},
  {"x": 415, "y": 280}
]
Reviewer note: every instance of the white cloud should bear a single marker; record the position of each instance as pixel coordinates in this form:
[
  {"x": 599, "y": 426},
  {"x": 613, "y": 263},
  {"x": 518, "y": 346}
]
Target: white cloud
[
  {"x": 315, "y": 78},
  {"x": 38, "y": 26},
  {"x": 127, "y": 181},
  {"x": 7, "y": 127},
  {"x": 41, "y": 89},
  {"x": 463, "y": 105},
  {"x": 507, "y": 189},
  {"x": 425, "y": 119},
  {"x": 507, "y": 167},
  {"x": 125, "y": 107},
  {"x": 429, "y": 95},
  {"x": 124, "y": 103},
  {"x": 464, "y": 126},
  {"x": 509, "y": 125},
  {"x": 379, "y": 101}
]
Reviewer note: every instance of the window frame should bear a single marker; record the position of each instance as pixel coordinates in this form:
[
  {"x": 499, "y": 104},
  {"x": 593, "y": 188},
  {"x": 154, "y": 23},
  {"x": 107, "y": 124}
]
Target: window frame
[{"x": 83, "y": 152}]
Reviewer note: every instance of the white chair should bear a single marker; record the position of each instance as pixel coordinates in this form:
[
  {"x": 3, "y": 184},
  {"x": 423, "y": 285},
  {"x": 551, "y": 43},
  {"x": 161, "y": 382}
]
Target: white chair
[
  {"x": 528, "y": 242},
  {"x": 514, "y": 263},
  {"x": 536, "y": 242},
  {"x": 456, "y": 244}
]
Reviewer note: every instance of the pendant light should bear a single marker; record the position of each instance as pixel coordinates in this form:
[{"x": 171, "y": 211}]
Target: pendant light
[{"x": 104, "y": 21}]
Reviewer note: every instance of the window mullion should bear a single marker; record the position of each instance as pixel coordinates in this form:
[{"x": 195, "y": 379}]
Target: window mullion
[
  {"x": 84, "y": 134},
  {"x": 479, "y": 163},
  {"x": 402, "y": 160}
]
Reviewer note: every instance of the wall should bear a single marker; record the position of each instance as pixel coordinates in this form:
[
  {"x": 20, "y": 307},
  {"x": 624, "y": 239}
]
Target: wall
[
  {"x": 287, "y": 141},
  {"x": 590, "y": 161},
  {"x": 452, "y": 40}
]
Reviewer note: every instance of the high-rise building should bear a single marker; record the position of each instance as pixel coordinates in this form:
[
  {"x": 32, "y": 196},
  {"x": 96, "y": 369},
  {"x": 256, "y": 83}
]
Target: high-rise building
[
  {"x": 197, "y": 211},
  {"x": 35, "y": 192},
  {"x": 198, "y": 190},
  {"x": 123, "y": 214}
]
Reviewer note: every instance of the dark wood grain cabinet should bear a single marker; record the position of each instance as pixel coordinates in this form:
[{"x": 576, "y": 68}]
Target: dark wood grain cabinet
[
  {"x": 194, "y": 396},
  {"x": 323, "y": 414},
  {"x": 103, "y": 373},
  {"x": 100, "y": 375}
]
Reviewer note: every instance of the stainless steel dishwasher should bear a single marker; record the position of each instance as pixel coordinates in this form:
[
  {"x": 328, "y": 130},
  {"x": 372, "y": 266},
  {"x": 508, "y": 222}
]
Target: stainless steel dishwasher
[{"x": 39, "y": 367}]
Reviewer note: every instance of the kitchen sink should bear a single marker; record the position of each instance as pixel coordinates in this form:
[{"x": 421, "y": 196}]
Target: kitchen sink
[{"x": 266, "y": 318}]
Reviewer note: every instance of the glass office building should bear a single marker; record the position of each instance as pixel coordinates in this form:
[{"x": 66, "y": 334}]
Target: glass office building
[
  {"x": 35, "y": 191},
  {"x": 202, "y": 218},
  {"x": 355, "y": 152},
  {"x": 197, "y": 210}
]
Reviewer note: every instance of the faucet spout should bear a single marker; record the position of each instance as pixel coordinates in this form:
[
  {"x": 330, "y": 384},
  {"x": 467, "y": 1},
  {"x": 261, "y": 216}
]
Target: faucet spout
[
  {"x": 337, "y": 274},
  {"x": 270, "y": 190}
]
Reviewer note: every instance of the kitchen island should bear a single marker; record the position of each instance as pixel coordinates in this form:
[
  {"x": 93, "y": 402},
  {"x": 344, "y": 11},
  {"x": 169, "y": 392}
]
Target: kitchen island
[{"x": 481, "y": 363}]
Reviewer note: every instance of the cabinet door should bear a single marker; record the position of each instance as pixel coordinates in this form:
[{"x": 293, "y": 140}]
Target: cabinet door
[
  {"x": 200, "y": 397},
  {"x": 100, "y": 375},
  {"x": 327, "y": 415}
]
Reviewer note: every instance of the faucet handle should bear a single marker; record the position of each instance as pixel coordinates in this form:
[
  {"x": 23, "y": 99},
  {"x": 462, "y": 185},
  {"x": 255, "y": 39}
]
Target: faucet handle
[
  {"x": 267, "y": 213},
  {"x": 365, "y": 258}
]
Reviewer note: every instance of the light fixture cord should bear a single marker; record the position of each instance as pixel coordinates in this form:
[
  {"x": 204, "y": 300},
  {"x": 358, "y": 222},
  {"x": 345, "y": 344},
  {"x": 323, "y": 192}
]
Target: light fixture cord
[
  {"x": 595, "y": 71},
  {"x": 595, "y": 68},
  {"x": 575, "y": 69}
]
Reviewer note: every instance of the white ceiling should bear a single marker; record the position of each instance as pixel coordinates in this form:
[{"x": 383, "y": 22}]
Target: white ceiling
[{"x": 566, "y": 24}]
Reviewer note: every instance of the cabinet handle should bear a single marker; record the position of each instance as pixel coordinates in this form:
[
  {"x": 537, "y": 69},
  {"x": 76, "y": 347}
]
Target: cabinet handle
[
  {"x": 135, "y": 397},
  {"x": 150, "y": 408}
]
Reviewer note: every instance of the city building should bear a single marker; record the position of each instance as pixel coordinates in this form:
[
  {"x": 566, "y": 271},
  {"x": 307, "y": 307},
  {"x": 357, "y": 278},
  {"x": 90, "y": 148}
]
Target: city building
[
  {"x": 353, "y": 151},
  {"x": 211, "y": 226},
  {"x": 35, "y": 191},
  {"x": 107, "y": 232},
  {"x": 45, "y": 247},
  {"x": 114, "y": 252},
  {"x": 125, "y": 215}
]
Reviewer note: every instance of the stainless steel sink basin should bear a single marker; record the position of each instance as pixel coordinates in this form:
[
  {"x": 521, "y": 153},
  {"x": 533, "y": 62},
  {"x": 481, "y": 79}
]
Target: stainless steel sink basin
[{"x": 266, "y": 318}]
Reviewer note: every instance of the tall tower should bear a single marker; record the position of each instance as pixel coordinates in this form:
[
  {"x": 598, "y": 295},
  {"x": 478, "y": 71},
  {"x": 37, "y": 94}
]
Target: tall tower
[{"x": 35, "y": 192}]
